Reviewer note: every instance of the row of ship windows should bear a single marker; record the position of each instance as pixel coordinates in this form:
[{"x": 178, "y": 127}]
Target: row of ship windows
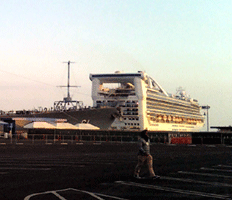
[
  {"x": 114, "y": 103},
  {"x": 132, "y": 124},
  {"x": 131, "y": 101},
  {"x": 130, "y": 109},
  {"x": 131, "y": 118},
  {"x": 130, "y": 113},
  {"x": 130, "y": 105}
]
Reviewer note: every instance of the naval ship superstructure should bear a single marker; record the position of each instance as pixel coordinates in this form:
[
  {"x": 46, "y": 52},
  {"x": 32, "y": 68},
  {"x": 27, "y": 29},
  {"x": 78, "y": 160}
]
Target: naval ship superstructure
[
  {"x": 69, "y": 110},
  {"x": 143, "y": 104}
]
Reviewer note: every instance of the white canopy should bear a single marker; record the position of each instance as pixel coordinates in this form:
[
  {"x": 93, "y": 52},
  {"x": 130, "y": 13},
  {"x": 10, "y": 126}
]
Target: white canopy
[
  {"x": 46, "y": 125},
  {"x": 86, "y": 126},
  {"x": 39, "y": 125},
  {"x": 64, "y": 126}
]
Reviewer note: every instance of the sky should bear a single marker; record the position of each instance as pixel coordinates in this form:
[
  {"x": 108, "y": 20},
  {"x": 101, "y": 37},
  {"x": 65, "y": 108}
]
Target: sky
[{"x": 183, "y": 43}]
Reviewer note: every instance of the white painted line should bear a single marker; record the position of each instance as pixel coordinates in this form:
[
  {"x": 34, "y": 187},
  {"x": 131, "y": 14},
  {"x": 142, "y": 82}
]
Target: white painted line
[
  {"x": 104, "y": 195},
  {"x": 168, "y": 189},
  {"x": 2, "y": 143},
  {"x": 218, "y": 170},
  {"x": 57, "y": 195},
  {"x": 191, "y": 145},
  {"x": 41, "y": 193},
  {"x": 225, "y": 166},
  {"x": 204, "y": 174},
  {"x": 90, "y": 193},
  {"x": 195, "y": 181},
  {"x": 79, "y": 143},
  {"x": 95, "y": 195},
  {"x": 108, "y": 196},
  {"x": 64, "y": 143},
  {"x": 19, "y": 143}
]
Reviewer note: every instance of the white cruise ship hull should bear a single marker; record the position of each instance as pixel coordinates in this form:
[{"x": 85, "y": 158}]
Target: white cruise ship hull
[{"x": 143, "y": 104}]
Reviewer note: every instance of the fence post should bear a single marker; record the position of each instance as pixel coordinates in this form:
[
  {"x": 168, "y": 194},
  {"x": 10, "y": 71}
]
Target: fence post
[
  {"x": 54, "y": 136},
  {"x": 11, "y": 138}
]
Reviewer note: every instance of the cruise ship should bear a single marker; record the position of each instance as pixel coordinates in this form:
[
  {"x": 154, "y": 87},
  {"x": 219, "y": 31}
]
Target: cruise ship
[{"x": 143, "y": 104}]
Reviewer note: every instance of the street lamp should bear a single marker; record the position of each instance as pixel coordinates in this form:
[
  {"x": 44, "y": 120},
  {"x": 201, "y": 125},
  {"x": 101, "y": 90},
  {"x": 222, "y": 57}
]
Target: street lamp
[{"x": 207, "y": 115}]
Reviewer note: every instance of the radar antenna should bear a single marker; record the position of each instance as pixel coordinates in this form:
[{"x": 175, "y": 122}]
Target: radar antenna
[
  {"x": 68, "y": 98},
  {"x": 63, "y": 105}
]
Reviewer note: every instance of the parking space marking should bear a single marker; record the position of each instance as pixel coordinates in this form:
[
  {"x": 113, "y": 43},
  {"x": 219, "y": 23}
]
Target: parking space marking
[
  {"x": 95, "y": 194},
  {"x": 55, "y": 192},
  {"x": 57, "y": 195},
  {"x": 180, "y": 191},
  {"x": 195, "y": 181},
  {"x": 42, "y": 193},
  {"x": 204, "y": 174},
  {"x": 218, "y": 170},
  {"x": 224, "y": 166}
]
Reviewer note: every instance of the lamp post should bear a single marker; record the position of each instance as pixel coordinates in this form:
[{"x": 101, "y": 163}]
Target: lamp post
[{"x": 207, "y": 115}]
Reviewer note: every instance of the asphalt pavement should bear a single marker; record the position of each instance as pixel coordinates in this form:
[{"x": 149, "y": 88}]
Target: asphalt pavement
[{"x": 105, "y": 171}]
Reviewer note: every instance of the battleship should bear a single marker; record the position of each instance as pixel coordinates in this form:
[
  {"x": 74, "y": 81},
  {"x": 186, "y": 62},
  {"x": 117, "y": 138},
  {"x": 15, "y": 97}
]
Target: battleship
[
  {"x": 69, "y": 110},
  {"x": 124, "y": 101}
]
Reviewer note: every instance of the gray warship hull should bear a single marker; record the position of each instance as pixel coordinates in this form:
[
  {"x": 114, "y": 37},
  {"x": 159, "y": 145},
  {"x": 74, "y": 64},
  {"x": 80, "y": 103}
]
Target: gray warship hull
[{"x": 100, "y": 117}]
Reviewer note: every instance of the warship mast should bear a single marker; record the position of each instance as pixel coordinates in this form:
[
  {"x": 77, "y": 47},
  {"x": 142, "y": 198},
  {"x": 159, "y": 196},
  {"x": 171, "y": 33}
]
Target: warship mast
[{"x": 68, "y": 103}]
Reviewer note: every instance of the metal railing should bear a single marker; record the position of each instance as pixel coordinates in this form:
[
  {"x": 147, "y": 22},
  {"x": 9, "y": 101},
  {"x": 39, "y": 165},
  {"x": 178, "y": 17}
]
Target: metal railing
[
  {"x": 65, "y": 139},
  {"x": 81, "y": 136}
]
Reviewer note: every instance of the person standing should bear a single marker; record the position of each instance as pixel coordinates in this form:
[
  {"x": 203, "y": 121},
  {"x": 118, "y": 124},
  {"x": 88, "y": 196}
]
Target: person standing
[{"x": 144, "y": 156}]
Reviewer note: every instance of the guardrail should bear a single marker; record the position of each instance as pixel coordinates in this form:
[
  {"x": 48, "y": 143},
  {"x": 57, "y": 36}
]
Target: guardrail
[
  {"x": 65, "y": 139},
  {"x": 111, "y": 136},
  {"x": 76, "y": 137}
]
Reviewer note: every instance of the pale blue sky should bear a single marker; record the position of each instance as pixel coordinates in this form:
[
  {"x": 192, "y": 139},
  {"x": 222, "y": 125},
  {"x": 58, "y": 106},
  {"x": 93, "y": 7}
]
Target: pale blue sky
[{"x": 178, "y": 42}]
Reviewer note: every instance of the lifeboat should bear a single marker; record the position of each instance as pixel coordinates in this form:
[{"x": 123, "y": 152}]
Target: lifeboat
[{"x": 165, "y": 118}]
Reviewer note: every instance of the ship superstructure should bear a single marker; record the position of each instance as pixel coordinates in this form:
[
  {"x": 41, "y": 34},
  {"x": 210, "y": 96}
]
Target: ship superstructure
[{"x": 143, "y": 104}]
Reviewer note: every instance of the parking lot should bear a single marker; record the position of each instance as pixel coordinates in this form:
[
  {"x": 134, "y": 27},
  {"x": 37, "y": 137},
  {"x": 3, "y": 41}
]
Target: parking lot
[{"x": 104, "y": 171}]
